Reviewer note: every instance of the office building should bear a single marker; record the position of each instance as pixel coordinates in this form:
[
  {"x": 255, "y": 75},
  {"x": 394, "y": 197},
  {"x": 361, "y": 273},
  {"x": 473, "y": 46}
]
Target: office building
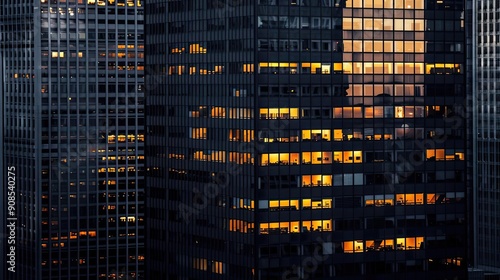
[
  {"x": 73, "y": 102},
  {"x": 486, "y": 202},
  {"x": 296, "y": 139}
]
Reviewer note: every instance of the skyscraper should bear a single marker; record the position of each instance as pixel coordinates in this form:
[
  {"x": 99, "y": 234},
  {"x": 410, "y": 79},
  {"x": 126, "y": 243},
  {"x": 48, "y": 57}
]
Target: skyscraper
[
  {"x": 73, "y": 131},
  {"x": 486, "y": 150},
  {"x": 305, "y": 139}
]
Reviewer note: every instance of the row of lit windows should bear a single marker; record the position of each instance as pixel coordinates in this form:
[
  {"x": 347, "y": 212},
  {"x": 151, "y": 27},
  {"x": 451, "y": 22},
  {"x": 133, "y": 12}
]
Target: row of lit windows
[
  {"x": 359, "y": 68},
  {"x": 386, "y": 4},
  {"x": 236, "y": 135},
  {"x": 293, "y": 68},
  {"x": 122, "y": 55},
  {"x": 382, "y": 90},
  {"x": 203, "y": 264},
  {"x": 82, "y": 261},
  {"x": 443, "y": 154},
  {"x": 377, "y": 4},
  {"x": 386, "y": 24},
  {"x": 348, "y": 157},
  {"x": 348, "y": 179},
  {"x": 305, "y": 45},
  {"x": 242, "y": 203},
  {"x": 295, "y": 204},
  {"x": 365, "y": 24},
  {"x": 295, "y": 226},
  {"x": 311, "y": 158},
  {"x": 305, "y": 67},
  {"x": 369, "y": 201},
  {"x": 62, "y": 11},
  {"x": 119, "y": 169},
  {"x": 389, "y": 46},
  {"x": 123, "y": 158},
  {"x": 220, "y": 156},
  {"x": 193, "y": 49},
  {"x": 73, "y": 235},
  {"x": 346, "y": 112},
  {"x": 366, "y": 46},
  {"x": 194, "y": 70},
  {"x": 322, "y": 3},
  {"x": 413, "y": 199},
  {"x": 407, "y": 243},
  {"x": 126, "y": 138},
  {"x": 220, "y": 112},
  {"x": 119, "y": 3}
]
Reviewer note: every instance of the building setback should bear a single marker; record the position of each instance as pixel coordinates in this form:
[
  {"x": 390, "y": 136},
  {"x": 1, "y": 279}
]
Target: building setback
[
  {"x": 73, "y": 128},
  {"x": 306, "y": 139}
]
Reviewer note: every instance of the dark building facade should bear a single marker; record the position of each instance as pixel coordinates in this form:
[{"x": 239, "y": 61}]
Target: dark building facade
[
  {"x": 486, "y": 150},
  {"x": 73, "y": 129},
  {"x": 306, "y": 139}
]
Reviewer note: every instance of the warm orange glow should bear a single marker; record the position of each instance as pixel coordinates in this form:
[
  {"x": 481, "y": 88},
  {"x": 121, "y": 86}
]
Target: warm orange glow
[{"x": 196, "y": 49}]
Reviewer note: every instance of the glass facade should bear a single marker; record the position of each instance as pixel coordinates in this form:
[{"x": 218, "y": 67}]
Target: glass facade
[
  {"x": 486, "y": 197},
  {"x": 306, "y": 139},
  {"x": 73, "y": 128}
]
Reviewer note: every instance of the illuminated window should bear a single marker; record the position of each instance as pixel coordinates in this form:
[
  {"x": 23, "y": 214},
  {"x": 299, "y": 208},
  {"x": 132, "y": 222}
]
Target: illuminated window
[
  {"x": 444, "y": 154},
  {"x": 210, "y": 155},
  {"x": 196, "y": 49},
  {"x": 218, "y": 112},
  {"x": 248, "y": 68},
  {"x": 377, "y": 245},
  {"x": 200, "y": 264},
  {"x": 240, "y": 226},
  {"x": 280, "y": 159},
  {"x": 243, "y": 135},
  {"x": 348, "y": 157},
  {"x": 442, "y": 68},
  {"x": 218, "y": 267},
  {"x": 433, "y": 198},
  {"x": 353, "y": 246},
  {"x": 276, "y": 205},
  {"x": 316, "y": 203},
  {"x": 278, "y": 67},
  {"x": 316, "y": 135},
  {"x": 176, "y": 70},
  {"x": 199, "y": 133},
  {"x": 240, "y": 113},
  {"x": 410, "y": 199},
  {"x": 295, "y": 227},
  {"x": 240, "y": 158},
  {"x": 409, "y": 243},
  {"x": 177, "y": 50},
  {"x": 316, "y": 157},
  {"x": 317, "y": 225},
  {"x": 379, "y": 200},
  {"x": 57, "y": 54},
  {"x": 243, "y": 203},
  {"x": 279, "y": 113},
  {"x": 317, "y": 180}
]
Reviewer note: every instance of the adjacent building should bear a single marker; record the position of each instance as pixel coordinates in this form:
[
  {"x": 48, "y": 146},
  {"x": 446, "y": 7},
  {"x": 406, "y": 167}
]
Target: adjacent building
[
  {"x": 306, "y": 139},
  {"x": 486, "y": 203},
  {"x": 73, "y": 128}
]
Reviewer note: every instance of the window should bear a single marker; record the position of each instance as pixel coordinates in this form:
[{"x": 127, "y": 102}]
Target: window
[
  {"x": 316, "y": 135},
  {"x": 57, "y": 54},
  {"x": 199, "y": 133},
  {"x": 279, "y": 113},
  {"x": 317, "y": 180}
]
